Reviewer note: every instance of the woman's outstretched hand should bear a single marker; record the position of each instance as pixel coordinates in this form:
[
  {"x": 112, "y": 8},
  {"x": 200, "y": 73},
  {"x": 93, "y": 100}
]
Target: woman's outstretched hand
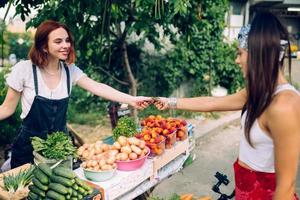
[
  {"x": 161, "y": 103},
  {"x": 141, "y": 102}
]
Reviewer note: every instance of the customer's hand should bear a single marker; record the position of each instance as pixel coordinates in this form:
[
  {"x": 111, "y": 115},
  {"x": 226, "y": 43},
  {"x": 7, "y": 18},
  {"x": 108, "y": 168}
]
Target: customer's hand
[
  {"x": 161, "y": 103},
  {"x": 141, "y": 102}
]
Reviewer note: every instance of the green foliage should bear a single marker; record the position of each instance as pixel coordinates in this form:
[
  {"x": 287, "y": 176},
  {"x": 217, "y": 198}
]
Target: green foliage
[
  {"x": 3, "y": 38},
  {"x": 228, "y": 74},
  {"x": 57, "y": 146},
  {"x": 8, "y": 127},
  {"x": 19, "y": 44},
  {"x": 198, "y": 53},
  {"x": 126, "y": 127}
]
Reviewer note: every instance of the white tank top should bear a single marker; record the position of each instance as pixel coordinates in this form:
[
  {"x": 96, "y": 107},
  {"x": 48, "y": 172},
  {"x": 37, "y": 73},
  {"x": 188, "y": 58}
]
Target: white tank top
[{"x": 261, "y": 157}]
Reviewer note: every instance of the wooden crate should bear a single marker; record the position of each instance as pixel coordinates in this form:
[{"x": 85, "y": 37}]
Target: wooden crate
[{"x": 180, "y": 147}]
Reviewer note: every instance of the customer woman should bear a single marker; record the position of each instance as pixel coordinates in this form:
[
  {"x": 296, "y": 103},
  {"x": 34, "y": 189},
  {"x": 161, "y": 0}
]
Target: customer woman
[
  {"x": 270, "y": 146},
  {"x": 44, "y": 84}
]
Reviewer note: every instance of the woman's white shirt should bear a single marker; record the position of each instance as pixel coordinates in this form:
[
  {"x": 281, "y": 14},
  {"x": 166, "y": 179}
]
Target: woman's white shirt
[{"x": 21, "y": 79}]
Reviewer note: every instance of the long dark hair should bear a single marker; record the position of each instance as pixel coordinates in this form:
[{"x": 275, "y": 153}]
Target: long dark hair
[{"x": 264, "y": 65}]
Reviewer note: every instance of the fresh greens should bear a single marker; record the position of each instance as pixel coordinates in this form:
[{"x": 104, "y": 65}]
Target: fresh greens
[
  {"x": 57, "y": 146},
  {"x": 12, "y": 183},
  {"x": 126, "y": 127}
]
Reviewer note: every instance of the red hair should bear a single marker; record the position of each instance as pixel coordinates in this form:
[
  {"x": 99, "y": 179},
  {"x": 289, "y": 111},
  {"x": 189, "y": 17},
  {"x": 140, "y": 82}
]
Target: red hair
[{"x": 37, "y": 54}]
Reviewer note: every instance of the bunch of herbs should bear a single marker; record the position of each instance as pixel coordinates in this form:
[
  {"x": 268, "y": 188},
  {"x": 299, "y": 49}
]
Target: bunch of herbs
[{"x": 57, "y": 146}]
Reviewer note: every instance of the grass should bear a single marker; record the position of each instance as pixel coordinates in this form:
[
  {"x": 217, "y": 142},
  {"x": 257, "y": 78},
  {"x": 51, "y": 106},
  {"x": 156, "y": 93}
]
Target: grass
[{"x": 89, "y": 118}]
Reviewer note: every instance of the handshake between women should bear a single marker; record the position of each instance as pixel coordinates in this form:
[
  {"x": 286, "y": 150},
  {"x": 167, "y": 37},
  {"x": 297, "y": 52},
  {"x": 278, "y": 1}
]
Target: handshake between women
[{"x": 161, "y": 103}]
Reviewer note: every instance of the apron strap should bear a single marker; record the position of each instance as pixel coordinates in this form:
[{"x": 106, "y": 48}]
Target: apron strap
[
  {"x": 68, "y": 77},
  {"x": 35, "y": 79}
]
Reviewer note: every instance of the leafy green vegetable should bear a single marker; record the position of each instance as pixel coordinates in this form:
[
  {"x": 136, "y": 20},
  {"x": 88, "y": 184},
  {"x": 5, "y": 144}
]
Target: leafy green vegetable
[
  {"x": 58, "y": 146},
  {"x": 126, "y": 127},
  {"x": 12, "y": 183}
]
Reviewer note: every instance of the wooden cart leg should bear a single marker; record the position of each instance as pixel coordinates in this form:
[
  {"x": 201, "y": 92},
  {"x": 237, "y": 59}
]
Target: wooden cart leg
[
  {"x": 78, "y": 140},
  {"x": 145, "y": 195}
]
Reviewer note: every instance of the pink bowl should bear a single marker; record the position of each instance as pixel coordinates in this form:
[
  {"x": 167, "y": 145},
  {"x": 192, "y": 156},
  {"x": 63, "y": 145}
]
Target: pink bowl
[{"x": 131, "y": 165}]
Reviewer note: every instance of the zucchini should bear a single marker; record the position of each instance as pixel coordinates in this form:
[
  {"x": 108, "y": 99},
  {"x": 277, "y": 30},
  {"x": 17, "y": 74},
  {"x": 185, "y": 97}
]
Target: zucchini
[
  {"x": 62, "y": 180},
  {"x": 54, "y": 195},
  {"x": 68, "y": 196},
  {"x": 39, "y": 185},
  {"x": 57, "y": 187},
  {"x": 41, "y": 176},
  {"x": 45, "y": 168},
  {"x": 64, "y": 172},
  {"x": 36, "y": 190},
  {"x": 33, "y": 196}
]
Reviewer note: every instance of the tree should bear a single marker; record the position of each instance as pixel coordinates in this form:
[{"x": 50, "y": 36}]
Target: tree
[{"x": 103, "y": 31}]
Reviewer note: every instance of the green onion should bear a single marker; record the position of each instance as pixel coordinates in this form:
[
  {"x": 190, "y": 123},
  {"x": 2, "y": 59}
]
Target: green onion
[{"x": 12, "y": 183}]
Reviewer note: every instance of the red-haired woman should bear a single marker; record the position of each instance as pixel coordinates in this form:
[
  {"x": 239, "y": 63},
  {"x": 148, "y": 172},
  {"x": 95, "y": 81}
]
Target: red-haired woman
[
  {"x": 44, "y": 84},
  {"x": 267, "y": 165}
]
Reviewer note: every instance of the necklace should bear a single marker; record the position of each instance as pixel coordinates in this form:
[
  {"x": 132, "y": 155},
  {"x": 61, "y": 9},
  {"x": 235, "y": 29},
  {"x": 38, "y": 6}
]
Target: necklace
[{"x": 51, "y": 73}]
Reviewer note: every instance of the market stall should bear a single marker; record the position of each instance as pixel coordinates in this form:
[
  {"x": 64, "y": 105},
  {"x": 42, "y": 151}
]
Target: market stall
[
  {"x": 170, "y": 142},
  {"x": 119, "y": 168},
  {"x": 130, "y": 184}
]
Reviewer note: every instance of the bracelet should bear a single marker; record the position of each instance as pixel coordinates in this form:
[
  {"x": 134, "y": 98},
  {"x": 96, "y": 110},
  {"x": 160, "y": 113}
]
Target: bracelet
[{"x": 172, "y": 103}]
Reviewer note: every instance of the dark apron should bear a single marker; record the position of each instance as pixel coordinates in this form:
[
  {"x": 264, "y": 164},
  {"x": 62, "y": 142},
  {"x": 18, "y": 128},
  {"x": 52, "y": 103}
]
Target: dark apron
[{"x": 45, "y": 116}]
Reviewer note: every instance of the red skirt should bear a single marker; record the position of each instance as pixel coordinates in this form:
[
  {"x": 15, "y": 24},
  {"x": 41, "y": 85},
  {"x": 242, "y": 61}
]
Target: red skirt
[{"x": 253, "y": 185}]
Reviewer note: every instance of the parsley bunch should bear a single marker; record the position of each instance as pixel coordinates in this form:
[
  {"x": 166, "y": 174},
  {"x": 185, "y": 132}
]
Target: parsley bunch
[{"x": 57, "y": 146}]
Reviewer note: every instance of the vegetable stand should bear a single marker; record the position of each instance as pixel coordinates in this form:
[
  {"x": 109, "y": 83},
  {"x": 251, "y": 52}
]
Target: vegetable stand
[
  {"x": 47, "y": 178},
  {"x": 130, "y": 184}
]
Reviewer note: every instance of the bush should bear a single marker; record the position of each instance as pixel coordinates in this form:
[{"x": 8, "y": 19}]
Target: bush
[
  {"x": 125, "y": 127},
  {"x": 8, "y": 127}
]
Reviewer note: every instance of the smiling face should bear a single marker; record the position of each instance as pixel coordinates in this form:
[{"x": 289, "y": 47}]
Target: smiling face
[
  {"x": 59, "y": 44},
  {"x": 242, "y": 60}
]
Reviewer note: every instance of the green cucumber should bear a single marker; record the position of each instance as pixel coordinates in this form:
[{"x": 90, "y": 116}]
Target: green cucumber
[
  {"x": 81, "y": 190},
  {"x": 41, "y": 176},
  {"x": 45, "y": 168},
  {"x": 36, "y": 190},
  {"x": 54, "y": 195},
  {"x": 75, "y": 186},
  {"x": 38, "y": 184},
  {"x": 33, "y": 196},
  {"x": 64, "y": 172},
  {"x": 62, "y": 180},
  {"x": 83, "y": 184},
  {"x": 57, "y": 187},
  {"x": 74, "y": 193}
]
